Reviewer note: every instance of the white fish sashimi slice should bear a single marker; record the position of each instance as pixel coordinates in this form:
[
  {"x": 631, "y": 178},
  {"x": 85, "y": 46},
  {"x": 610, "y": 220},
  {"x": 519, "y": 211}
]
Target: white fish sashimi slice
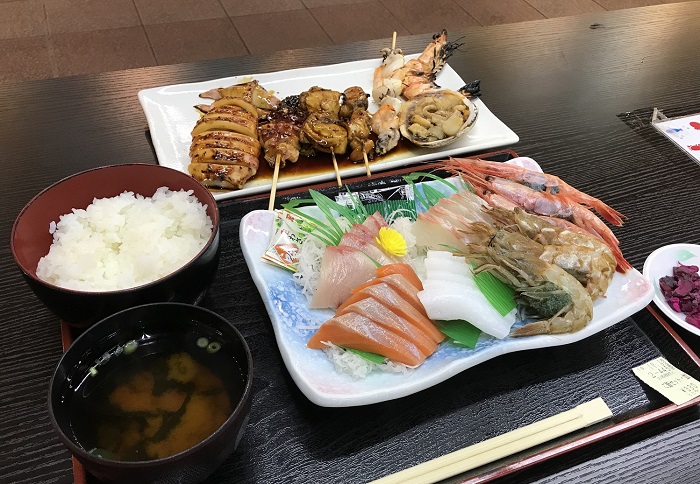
[
  {"x": 446, "y": 300},
  {"x": 436, "y": 276},
  {"x": 342, "y": 269},
  {"x": 439, "y": 254}
]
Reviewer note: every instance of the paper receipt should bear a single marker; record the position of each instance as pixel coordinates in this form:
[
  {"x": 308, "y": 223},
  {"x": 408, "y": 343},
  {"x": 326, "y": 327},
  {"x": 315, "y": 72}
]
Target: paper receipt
[{"x": 672, "y": 383}]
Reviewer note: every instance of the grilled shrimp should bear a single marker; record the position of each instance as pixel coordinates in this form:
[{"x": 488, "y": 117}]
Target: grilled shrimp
[
  {"x": 385, "y": 123},
  {"x": 384, "y": 85},
  {"x": 543, "y": 182},
  {"x": 585, "y": 257},
  {"x": 418, "y": 75},
  {"x": 554, "y": 294},
  {"x": 541, "y": 203}
]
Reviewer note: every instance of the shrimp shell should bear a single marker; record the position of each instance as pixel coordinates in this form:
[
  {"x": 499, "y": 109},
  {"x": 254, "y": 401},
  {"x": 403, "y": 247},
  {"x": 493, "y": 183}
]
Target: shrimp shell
[{"x": 540, "y": 284}]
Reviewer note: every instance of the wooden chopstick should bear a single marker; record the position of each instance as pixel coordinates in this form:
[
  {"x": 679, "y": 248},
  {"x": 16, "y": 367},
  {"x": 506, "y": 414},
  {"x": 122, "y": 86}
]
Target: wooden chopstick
[{"x": 476, "y": 455}]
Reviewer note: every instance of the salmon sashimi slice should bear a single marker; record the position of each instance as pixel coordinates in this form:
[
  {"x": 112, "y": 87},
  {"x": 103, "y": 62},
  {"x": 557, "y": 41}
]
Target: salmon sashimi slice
[
  {"x": 390, "y": 298},
  {"x": 402, "y": 269},
  {"x": 352, "y": 330},
  {"x": 400, "y": 284},
  {"x": 386, "y": 318},
  {"x": 342, "y": 268}
]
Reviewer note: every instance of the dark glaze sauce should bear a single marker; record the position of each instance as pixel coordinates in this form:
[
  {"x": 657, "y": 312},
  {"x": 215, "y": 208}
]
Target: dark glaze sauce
[{"x": 322, "y": 163}]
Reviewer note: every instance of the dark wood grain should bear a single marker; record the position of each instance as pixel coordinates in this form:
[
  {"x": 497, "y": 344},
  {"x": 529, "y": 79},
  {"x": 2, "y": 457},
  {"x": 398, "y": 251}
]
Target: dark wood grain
[{"x": 560, "y": 84}]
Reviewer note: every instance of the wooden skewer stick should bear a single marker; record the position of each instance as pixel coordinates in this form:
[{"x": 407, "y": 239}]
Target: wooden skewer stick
[
  {"x": 393, "y": 41},
  {"x": 275, "y": 175},
  {"x": 335, "y": 165},
  {"x": 369, "y": 173}
]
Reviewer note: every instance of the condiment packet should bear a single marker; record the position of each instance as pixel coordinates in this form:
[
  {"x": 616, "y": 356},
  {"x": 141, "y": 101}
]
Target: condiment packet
[
  {"x": 290, "y": 231},
  {"x": 672, "y": 383}
]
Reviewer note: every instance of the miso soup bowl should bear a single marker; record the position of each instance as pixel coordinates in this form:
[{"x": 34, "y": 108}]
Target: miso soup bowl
[
  {"x": 30, "y": 241},
  {"x": 190, "y": 466}
]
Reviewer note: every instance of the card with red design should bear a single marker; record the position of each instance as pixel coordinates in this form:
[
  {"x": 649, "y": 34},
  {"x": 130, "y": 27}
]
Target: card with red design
[{"x": 684, "y": 131}]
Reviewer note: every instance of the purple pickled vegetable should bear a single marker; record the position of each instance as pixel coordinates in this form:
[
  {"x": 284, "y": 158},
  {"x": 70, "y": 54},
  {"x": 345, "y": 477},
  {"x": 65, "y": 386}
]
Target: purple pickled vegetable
[{"x": 682, "y": 292}]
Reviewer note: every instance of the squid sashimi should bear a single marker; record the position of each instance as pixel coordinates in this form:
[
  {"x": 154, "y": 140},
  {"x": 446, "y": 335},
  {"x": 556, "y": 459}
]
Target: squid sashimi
[
  {"x": 342, "y": 268},
  {"x": 372, "y": 251},
  {"x": 402, "y": 269},
  {"x": 390, "y": 298},
  {"x": 383, "y": 316},
  {"x": 352, "y": 330},
  {"x": 450, "y": 292}
]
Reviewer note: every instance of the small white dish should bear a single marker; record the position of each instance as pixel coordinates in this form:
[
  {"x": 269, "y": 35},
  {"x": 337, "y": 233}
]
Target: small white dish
[{"x": 660, "y": 263}]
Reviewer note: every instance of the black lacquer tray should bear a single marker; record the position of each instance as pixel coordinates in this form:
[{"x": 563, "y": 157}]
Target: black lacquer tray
[{"x": 289, "y": 439}]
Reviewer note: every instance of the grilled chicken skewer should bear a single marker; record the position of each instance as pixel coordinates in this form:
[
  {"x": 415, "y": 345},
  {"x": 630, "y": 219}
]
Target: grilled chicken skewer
[
  {"x": 357, "y": 122},
  {"x": 279, "y": 132}
]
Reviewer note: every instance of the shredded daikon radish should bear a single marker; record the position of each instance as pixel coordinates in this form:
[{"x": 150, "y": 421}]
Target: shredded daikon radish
[{"x": 358, "y": 367}]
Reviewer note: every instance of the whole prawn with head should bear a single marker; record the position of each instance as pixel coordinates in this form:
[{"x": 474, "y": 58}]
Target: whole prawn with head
[
  {"x": 396, "y": 77},
  {"x": 540, "y": 203},
  {"x": 560, "y": 301}
]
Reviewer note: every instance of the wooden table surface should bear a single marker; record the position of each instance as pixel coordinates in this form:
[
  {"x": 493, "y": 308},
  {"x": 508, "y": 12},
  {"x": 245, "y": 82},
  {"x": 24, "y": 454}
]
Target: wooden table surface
[{"x": 563, "y": 85}]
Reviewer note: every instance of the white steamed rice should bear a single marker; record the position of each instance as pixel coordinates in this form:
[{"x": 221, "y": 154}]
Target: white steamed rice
[{"x": 125, "y": 241}]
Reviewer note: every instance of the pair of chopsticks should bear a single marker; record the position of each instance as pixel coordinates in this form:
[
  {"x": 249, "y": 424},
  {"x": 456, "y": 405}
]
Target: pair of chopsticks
[{"x": 476, "y": 455}]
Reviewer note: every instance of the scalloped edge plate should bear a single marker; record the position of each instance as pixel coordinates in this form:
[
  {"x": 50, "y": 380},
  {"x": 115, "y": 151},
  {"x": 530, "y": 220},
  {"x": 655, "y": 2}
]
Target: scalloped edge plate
[{"x": 314, "y": 373}]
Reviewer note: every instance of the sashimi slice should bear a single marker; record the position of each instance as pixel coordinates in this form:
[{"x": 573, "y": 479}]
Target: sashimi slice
[
  {"x": 447, "y": 301},
  {"x": 383, "y": 293},
  {"x": 385, "y": 317},
  {"x": 352, "y": 330},
  {"x": 342, "y": 268},
  {"x": 398, "y": 283},
  {"x": 375, "y": 222},
  {"x": 402, "y": 269},
  {"x": 350, "y": 239},
  {"x": 435, "y": 233}
]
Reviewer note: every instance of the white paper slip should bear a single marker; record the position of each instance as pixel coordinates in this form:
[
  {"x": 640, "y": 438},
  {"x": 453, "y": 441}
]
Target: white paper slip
[
  {"x": 672, "y": 383},
  {"x": 683, "y": 130}
]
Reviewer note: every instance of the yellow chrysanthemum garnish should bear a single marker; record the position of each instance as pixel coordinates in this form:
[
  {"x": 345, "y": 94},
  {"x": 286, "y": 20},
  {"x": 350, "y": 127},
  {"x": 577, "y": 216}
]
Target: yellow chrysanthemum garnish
[{"x": 392, "y": 242}]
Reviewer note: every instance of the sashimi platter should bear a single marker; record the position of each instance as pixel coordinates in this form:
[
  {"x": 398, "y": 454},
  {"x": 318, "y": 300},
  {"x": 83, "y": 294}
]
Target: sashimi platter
[{"x": 377, "y": 295}]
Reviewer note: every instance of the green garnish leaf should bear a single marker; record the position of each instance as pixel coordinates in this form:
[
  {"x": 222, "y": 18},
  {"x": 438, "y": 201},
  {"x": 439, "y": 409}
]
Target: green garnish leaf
[
  {"x": 499, "y": 295},
  {"x": 462, "y": 332},
  {"x": 371, "y": 357}
]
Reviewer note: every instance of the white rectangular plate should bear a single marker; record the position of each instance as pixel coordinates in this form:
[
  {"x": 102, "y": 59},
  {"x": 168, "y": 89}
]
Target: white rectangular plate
[
  {"x": 314, "y": 373},
  {"x": 171, "y": 117}
]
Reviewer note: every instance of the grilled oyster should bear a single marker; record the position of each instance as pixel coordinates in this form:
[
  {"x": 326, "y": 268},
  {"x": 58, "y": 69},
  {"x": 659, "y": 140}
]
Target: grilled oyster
[{"x": 437, "y": 118}]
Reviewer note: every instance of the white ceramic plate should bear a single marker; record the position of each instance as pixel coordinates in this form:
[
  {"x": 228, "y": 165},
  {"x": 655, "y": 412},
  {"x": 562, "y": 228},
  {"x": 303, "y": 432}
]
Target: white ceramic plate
[
  {"x": 171, "y": 117},
  {"x": 660, "y": 263},
  {"x": 322, "y": 384}
]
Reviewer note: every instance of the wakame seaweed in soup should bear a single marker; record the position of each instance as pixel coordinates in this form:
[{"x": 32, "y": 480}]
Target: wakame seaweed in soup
[{"x": 155, "y": 397}]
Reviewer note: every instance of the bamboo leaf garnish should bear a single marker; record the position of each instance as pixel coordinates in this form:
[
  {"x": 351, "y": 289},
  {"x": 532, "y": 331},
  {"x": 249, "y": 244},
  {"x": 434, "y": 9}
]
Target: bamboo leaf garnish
[{"x": 372, "y": 357}]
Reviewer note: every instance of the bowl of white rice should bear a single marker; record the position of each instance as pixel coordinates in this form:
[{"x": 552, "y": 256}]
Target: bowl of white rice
[{"x": 118, "y": 236}]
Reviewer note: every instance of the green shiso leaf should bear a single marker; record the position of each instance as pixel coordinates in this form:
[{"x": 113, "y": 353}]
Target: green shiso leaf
[
  {"x": 461, "y": 332},
  {"x": 372, "y": 357},
  {"x": 498, "y": 294}
]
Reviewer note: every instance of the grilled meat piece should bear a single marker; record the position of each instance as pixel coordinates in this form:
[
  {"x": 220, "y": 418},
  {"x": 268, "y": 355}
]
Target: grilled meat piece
[
  {"x": 354, "y": 98},
  {"x": 279, "y": 132},
  {"x": 320, "y": 101},
  {"x": 228, "y": 118},
  {"x": 359, "y": 135},
  {"x": 324, "y": 134},
  {"x": 231, "y": 177},
  {"x": 251, "y": 92}
]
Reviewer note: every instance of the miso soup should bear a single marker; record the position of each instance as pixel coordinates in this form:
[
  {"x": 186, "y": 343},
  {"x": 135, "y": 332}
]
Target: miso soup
[{"x": 155, "y": 397}]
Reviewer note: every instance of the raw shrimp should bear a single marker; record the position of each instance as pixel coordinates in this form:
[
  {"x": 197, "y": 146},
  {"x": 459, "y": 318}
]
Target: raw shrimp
[
  {"x": 546, "y": 288},
  {"x": 542, "y": 182},
  {"x": 385, "y": 123},
  {"x": 585, "y": 257},
  {"x": 542, "y": 203}
]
